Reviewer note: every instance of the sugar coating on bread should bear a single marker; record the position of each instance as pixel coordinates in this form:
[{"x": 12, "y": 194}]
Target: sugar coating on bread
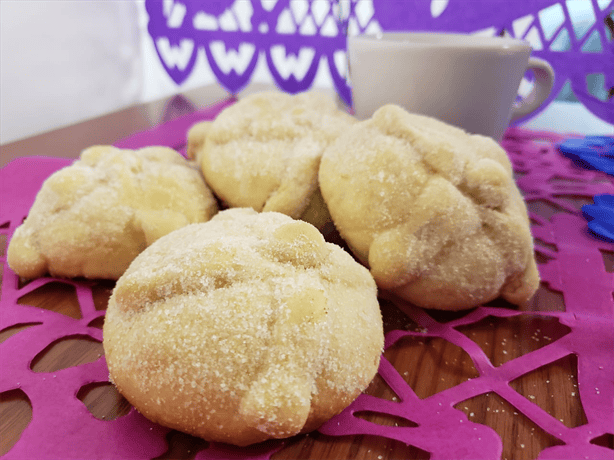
[
  {"x": 244, "y": 328},
  {"x": 264, "y": 151},
  {"x": 433, "y": 211},
  {"x": 94, "y": 217}
]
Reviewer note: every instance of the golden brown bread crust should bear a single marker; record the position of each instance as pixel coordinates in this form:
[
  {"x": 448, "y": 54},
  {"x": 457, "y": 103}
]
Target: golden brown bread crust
[
  {"x": 244, "y": 328},
  {"x": 433, "y": 211},
  {"x": 95, "y": 216}
]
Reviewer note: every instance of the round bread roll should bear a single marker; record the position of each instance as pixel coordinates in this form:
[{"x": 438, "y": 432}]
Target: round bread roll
[
  {"x": 264, "y": 152},
  {"x": 433, "y": 211},
  {"x": 95, "y": 216},
  {"x": 244, "y": 328}
]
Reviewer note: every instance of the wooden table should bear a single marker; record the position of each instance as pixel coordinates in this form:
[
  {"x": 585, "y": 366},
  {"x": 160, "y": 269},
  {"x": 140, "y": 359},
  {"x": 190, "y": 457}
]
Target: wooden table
[{"x": 429, "y": 365}]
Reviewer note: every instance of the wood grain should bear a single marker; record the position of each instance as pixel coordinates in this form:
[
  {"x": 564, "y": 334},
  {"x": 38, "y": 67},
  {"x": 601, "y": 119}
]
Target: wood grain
[{"x": 428, "y": 365}]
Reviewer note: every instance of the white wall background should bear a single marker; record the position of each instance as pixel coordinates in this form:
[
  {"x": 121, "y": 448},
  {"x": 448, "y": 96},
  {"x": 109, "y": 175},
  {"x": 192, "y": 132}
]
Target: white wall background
[{"x": 65, "y": 61}]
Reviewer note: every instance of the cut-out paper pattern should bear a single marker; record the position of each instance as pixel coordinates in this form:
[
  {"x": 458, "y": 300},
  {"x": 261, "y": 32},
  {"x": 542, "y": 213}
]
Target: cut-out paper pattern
[
  {"x": 297, "y": 39},
  {"x": 601, "y": 216},
  {"x": 571, "y": 263},
  {"x": 592, "y": 152}
]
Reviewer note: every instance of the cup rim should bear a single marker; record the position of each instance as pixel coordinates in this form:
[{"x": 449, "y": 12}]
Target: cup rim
[{"x": 440, "y": 40}]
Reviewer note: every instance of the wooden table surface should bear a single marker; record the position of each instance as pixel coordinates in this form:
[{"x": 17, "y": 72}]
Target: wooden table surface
[{"x": 429, "y": 365}]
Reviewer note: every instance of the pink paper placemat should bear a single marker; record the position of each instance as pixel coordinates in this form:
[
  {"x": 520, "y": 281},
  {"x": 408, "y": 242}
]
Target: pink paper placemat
[{"x": 63, "y": 428}]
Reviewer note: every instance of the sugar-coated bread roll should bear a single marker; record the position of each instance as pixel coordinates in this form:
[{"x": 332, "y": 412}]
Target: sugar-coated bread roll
[
  {"x": 264, "y": 152},
  {"x": 244, "y": 328},
  {"x": 433, "y": 211},
  {"x": 95, "y": 216}
]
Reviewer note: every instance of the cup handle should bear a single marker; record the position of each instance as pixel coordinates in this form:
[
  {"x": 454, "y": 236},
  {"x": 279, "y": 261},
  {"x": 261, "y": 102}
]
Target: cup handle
[{"x": 544, "y": 80}]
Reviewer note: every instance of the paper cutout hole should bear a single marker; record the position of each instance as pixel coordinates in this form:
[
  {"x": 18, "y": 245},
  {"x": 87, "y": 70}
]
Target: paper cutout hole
[
  {"x": 492, "y": 410},
  {"x": 605, "y": 440},
  {"x": 10, "y": 331},
  {"x": 394, "y": 318},
  {"x": 596, "y": 86},
  {"x": 546, "y": 299},
  {"x": 443, "y": 316},
  {"x": 541, "y": 244},
  {"x": 23, "y": 282},
  {"x": 567, "y": 185},
  {"x": 608, "y": 260},
  {"x": 574, "y": 201},
  {"x": 543, "y": 257},
  {"x": 543, "y": 208},
  {"x": 514, "y": 336},
  {"x": 383, "y": 419},
  {"x": 260, "y": 451},
  {"x": 501, "y": 303},
  {"x": 534, "y": 223},
  {"x": 379, "y": 388},
  {"x": 448, "y": 364},
  {"x": 182, "y": 446},
  {"x": 317, "y": 445},
  {"x": 54, "y": 296},
  {"x": 15, "y": 416},
  {"x": 103, "y": 401},
  {"x": 539, "y": 385},
  {"x": 3, "y": 239},
  {"x": 69, "y": 351},
  {"x": 101, "y": 292},
  {"x": 98, "y": 323}
]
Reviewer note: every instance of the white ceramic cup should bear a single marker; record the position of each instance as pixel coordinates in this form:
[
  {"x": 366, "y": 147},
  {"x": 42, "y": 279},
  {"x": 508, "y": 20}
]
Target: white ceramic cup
[{"x": 466, "y": 80}]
